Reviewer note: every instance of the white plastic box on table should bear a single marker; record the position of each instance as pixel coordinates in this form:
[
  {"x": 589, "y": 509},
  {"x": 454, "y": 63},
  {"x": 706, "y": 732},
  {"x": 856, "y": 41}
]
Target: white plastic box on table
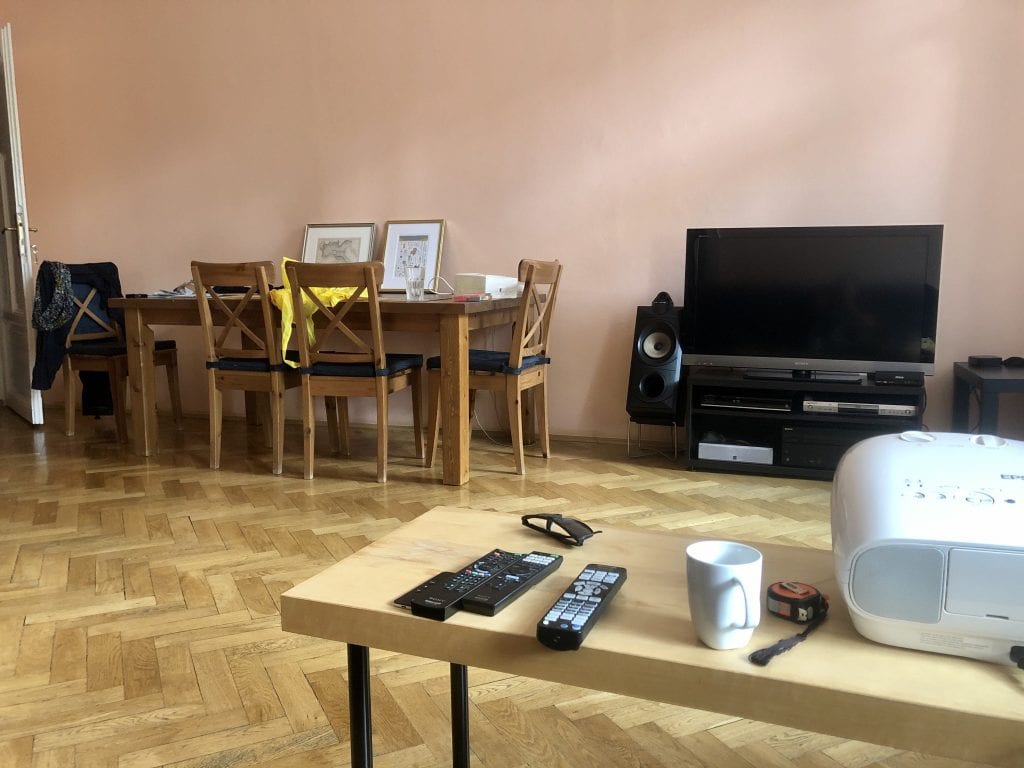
[{"x": 499, "y": 286}]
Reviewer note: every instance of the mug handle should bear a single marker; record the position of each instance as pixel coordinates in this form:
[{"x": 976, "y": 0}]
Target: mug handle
[{"x": 751, "y": 619}]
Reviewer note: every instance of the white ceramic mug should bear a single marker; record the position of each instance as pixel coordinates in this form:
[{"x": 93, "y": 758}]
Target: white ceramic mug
[
  {"x": 723, "y": 580},
  {"x": 414, "y": 282}
]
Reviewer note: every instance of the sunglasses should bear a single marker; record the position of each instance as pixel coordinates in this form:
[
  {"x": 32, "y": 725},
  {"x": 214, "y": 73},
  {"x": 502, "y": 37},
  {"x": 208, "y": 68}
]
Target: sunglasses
[{"x": 567, "y": 530}]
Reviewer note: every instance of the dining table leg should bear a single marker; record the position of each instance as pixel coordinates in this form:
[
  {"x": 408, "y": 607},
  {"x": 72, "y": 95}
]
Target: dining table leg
[
  {"x": 139, "y": 339},
  {"x": 455, "y": 428}
]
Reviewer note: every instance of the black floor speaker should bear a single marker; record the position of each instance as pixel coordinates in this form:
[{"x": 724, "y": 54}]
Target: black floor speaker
[{"x": 656, "y": 389}]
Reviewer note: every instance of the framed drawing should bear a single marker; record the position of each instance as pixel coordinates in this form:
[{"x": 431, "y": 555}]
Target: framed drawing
[
  {"x": 412, "y": 242},
  {"x": 337, "y": 243}
]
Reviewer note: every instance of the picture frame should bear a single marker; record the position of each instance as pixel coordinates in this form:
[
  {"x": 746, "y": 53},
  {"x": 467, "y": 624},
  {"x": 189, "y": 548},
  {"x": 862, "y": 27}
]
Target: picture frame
[
  {"x": 337, "y": 243},
  {"x": 409, "y": 241}
]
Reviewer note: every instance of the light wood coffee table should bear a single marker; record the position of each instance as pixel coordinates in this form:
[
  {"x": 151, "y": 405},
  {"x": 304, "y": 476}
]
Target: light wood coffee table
[{"x": 835, "y": 682}]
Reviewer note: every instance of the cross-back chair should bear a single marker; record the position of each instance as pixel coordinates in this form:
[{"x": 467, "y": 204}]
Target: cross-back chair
[
  {"x": 523, "y": 367},
  {"x": 340, "y": 362},
  {"x": 95, "y": 343},
  {"x": 243, "y": 347}
]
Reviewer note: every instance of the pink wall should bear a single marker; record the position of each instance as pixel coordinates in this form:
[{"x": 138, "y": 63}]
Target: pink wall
[{"x": 592, "y": 131}]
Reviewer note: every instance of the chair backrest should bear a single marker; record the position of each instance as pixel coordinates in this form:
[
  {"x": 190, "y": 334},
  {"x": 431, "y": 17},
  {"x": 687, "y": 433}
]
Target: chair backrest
[
  {"x": 91, "y": 321},
  {"x": 532, "y": 328},
  {"x": 314, "y": 290},
  {"x": 246, "y": 309}
]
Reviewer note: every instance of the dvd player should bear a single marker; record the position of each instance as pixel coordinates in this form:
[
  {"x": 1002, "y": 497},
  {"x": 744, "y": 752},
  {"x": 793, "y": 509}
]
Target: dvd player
[
  {"x": 746, "y": 403},
  {"x": 867, "y": 409}
]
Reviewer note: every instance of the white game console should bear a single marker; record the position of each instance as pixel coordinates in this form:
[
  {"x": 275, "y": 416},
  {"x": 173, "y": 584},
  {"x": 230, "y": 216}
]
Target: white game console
[
  {"x": 928, "y": 538},
  {"x": 498, "y": 286}
]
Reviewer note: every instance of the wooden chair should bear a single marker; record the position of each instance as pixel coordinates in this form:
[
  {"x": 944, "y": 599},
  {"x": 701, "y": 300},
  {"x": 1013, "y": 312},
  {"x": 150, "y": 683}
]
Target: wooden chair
[
  {"x": 364, "y": 370},
  {"x": 243, "y": 347},
  {"x": 95, "y": 343},
  {"x": 523, "y": 367}
]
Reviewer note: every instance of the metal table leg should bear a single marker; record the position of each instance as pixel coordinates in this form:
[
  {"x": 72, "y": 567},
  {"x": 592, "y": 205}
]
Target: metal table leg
[
  {"x": 361, "y": 734},
  {"x": 460, "y": 716}
]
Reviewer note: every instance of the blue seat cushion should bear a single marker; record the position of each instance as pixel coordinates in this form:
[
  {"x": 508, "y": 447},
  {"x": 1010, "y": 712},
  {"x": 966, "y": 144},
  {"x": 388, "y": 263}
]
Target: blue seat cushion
[
  {"x": 394, "y": 363},
  {"x": 243, "y": 364},
  {"x": 112, "y": 348},
  {"x": 493, "y": 361}
]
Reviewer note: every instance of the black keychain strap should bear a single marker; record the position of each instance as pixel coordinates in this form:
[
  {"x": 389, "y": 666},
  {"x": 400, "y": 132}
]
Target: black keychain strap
[{"x": 764, "y": 655}]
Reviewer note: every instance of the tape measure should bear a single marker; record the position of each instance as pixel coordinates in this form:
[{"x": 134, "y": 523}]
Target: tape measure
[{"x": 794, "y": 601}]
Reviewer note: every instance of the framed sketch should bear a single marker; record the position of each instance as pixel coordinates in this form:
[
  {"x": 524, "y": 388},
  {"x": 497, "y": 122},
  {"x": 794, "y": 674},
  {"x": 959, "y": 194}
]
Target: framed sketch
[
  {"x": 337, "y": 243},
  {"x": 412, "y": 242}
]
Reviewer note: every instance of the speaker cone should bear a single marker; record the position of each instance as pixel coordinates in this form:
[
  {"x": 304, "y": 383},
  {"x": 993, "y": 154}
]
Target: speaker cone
[{"x": 657, "y": 345}]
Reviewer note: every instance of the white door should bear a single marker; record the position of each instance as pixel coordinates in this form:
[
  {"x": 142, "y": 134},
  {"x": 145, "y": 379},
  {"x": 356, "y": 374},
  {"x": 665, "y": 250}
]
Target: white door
[{"x": 17, "y": 351}]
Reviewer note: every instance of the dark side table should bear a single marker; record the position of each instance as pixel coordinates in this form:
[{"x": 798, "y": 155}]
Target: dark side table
[{"x": 990, "y": 383}]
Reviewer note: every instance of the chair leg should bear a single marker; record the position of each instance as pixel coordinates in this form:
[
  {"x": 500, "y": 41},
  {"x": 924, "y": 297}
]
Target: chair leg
[
  {"x": 515, "y": 421},
  {"x": 337, "y": 424},
  {"x": 174, "y": 387},
  {"x": 417, "y": 418},
  {"x": 331, "y": 408},
  {"x": 308, "y": 429},
  {"x": 267, "y": 422},
  {"x": 343, "y": 439},
  {"x": 277, "y": 421},
  {"x": 216, "y": 418},
  {"x": 382, "y": 429},
  {"x": 540, "y": 401},
  {"x": 117, "y": 372},
  {"x": 433, "y": 414},
  {"x": 69, "y": 398}
]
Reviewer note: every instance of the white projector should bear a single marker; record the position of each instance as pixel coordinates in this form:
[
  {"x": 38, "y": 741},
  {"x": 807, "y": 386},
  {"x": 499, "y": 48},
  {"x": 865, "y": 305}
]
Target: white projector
[
  {"x": 499, "y": 286},
  {"x": 928, "y": 538}
]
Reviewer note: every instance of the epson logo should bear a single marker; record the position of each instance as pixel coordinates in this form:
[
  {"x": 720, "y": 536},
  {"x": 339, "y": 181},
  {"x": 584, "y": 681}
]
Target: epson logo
[{"x": 1012, "y": 477}]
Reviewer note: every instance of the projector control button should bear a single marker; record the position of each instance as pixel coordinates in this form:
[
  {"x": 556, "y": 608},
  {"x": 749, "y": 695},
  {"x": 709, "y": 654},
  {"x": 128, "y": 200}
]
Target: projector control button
[
  {"x": 916, "y": 436},
  {"x": 988, "y": 441},
  {"x": 977, "y": 497}
]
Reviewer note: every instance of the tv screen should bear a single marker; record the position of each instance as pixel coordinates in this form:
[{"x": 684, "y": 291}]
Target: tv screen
[{"x": 817, "y": 299}]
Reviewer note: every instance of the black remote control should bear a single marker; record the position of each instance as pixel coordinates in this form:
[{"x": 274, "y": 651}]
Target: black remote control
[
  {"x": 576, "y": 612},
  {"x": 486, "y": 562},
  {"x": 504, "y": 588},
  {"x": 441, "y": 596}
]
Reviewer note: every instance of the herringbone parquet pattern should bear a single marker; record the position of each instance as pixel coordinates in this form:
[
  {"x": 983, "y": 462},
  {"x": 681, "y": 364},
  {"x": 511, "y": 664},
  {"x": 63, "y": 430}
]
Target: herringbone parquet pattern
[{"x": 139, "y": 620}]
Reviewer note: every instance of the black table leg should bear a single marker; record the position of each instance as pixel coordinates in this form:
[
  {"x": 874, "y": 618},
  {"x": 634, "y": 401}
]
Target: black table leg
[
  {"x": 961, "y": 404},
  {"x": 460, "y": 716},
  {"x": 988, "y": 417},
  {"x": 361, "y": 734}
]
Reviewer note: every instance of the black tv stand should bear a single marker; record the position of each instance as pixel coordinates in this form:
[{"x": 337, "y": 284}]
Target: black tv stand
[
  {"x": 792, "y": 427},
  {"x": 780, "y": 374}
]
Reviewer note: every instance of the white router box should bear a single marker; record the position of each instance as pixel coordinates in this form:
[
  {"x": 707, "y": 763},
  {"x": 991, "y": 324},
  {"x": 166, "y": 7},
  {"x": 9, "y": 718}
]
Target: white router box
[{"x": 499, "y": 286}]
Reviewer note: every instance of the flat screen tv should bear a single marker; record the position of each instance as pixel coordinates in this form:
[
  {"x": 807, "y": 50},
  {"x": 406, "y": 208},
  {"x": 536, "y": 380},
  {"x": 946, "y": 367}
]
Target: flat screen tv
[{"x": 809, "y": 301}]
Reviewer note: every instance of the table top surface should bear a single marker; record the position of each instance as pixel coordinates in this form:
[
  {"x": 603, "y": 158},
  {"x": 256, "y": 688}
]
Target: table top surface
[
  {"x": 996, "y": 374},
  {"x": 390, "y": 303},
  {"x": 644, "y": 645}
]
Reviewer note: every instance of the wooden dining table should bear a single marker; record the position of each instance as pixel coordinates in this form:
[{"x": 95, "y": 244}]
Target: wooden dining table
[{"x": 450, "y": 320}]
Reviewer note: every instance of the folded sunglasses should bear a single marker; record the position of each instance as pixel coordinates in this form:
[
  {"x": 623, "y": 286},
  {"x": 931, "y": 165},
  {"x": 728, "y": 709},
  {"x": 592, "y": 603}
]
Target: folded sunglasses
[{"x": 567, "y": 530}]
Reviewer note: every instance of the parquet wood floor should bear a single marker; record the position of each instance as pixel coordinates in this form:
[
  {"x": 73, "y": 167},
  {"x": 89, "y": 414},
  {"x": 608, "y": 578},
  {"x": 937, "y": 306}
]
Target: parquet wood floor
[{"x": 139, "y": 598}]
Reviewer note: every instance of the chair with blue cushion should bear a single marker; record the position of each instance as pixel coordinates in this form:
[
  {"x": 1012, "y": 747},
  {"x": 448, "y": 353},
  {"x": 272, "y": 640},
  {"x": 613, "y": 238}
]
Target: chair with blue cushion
[
  {"x": 96, "y": 351},
  {"x": 523, "y": 367},
  {"x": 339, "y": 361},
  {"x": 243, "y": 346}
]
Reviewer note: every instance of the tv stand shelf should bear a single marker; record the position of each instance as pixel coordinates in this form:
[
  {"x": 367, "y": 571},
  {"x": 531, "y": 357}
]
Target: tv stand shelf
[{"x": 761, "y": 426}]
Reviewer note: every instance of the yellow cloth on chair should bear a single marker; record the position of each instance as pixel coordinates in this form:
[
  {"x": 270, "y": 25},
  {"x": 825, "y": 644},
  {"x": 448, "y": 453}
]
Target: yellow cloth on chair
[{"x": 282, "y": 299}]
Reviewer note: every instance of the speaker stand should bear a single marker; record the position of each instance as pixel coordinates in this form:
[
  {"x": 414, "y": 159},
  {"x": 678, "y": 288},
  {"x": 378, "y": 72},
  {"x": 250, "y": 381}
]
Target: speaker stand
[{"x": 639, "y": 439}]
